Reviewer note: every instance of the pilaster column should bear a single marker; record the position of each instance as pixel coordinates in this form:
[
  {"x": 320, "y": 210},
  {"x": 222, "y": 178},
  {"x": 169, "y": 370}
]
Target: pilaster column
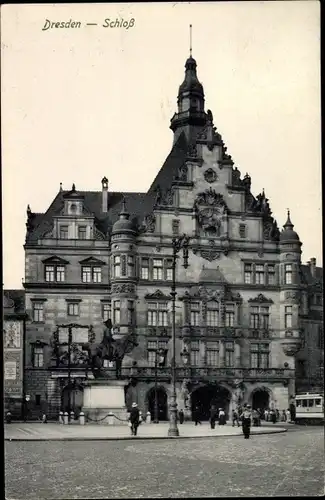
[
  {"x": 222, "y": 354},
  {"x": 237, "y": 355}
]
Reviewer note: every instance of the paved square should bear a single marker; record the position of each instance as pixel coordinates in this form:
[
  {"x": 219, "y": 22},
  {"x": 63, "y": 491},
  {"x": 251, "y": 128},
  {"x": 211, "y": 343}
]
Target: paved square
[{"x": 289, "y": 464}]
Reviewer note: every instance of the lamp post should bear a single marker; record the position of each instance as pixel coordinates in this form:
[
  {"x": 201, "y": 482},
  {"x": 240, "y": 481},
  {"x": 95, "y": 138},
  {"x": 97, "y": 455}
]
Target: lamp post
[
  {"x": 159, "y": 360},
  {"x": 177, "y": 244}
]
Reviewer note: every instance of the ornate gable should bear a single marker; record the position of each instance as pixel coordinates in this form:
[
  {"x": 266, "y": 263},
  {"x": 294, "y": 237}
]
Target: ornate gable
[
  {"x": 92, "y": 260},
  {"x": 55, "y": 259},
  {"x": 157, "y": 295},
  {"x": 261, "y": 299}
]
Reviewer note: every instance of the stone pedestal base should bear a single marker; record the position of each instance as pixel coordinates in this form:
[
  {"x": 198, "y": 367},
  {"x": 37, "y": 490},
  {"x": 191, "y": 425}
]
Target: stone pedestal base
[{"x": 102, "y": 398}]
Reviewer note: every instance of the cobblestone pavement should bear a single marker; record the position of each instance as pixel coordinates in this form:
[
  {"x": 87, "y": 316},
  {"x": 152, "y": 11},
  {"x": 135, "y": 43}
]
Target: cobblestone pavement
[{"x": 289, "y": 464}]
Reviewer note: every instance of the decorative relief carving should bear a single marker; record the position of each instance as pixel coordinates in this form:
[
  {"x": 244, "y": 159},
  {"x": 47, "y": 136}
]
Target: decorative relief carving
[
  {"x": 157, "y": 295},
  {"x": 292, "y": 297},
  {"x": 261, "y": 299},
  {"x": 210, "y": 254},
  {"x": 192, "y": 151},
  {"x": 123, "y": 288},
  {"x": 149, "y": 224},
  {"x": 164, "y": 197},
  {"x": 291, "y": 348},
  {"x": 210, "y": 175},
  {"x": 98, "y": 235},
  {"x": 210, "y": 208},
  {"x": 182, "y": 173}
]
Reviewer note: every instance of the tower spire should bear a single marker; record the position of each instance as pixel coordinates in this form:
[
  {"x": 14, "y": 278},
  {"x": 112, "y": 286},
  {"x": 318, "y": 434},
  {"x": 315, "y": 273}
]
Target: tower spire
[{"x": 190, "y": 40}]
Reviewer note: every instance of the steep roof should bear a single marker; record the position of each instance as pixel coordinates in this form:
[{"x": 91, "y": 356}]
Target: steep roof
[{"x": 309, "y": 279}]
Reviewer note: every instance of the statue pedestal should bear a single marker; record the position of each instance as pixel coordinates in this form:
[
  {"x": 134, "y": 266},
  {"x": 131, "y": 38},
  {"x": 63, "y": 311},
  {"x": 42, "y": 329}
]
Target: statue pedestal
[{"x": 102, "y": 396}]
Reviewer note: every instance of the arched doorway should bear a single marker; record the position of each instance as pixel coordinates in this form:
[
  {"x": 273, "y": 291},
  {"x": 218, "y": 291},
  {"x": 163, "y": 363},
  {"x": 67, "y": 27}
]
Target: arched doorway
[
  {"x": 162, "y": 403},
  {"x": 261, "y": 399},
  {"x": 76, "y": 399},
  {"x": 211, "y": 394}
]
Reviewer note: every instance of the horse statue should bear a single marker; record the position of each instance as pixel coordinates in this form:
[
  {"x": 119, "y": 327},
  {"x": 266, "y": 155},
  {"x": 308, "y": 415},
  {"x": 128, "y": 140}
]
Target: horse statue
[{"x": 111, "y": 349}]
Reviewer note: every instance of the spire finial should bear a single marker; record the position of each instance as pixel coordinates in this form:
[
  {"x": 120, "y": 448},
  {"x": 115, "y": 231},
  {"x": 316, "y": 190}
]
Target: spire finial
[
  {"x": 190, "y": 40},
  {"x": 61, "y": 186}
]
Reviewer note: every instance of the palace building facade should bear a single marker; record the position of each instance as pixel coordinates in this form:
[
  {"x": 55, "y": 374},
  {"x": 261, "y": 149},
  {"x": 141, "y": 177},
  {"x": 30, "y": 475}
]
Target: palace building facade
[{"x": 245, "y": 306}]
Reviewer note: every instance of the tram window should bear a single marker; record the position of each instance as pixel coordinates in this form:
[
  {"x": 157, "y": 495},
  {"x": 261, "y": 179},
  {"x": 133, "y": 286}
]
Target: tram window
[
  {"x": 318, "y": 402},
  {"x": 304, "y": 403},
  {"x": 310, "y": 403},
  {"x": 298, "y": 403}
]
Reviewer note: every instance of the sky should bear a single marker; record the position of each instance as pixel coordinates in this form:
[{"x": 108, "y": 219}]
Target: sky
[{"x": 82, "y": 103}]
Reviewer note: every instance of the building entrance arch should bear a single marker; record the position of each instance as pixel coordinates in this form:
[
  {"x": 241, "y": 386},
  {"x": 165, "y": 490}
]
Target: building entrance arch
[
  {"x": 162, "y": 403},
  {"x": 76, "y": 399},
  {"x": 210, "y": 394},
  {"x": 261, "y": 399}
]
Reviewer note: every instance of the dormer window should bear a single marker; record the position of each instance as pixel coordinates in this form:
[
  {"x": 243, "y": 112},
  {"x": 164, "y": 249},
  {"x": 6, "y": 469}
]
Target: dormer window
[
  {"x": 82, "y": 232},
  {"x": 64, "y": 232}
]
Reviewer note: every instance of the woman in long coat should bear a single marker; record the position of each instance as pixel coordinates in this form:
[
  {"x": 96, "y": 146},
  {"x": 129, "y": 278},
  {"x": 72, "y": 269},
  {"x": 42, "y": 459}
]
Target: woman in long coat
[
  {"x": 222, "y": 417},
  {"x": 247, "y": 421},
  {"x": 213, "y": 416}
]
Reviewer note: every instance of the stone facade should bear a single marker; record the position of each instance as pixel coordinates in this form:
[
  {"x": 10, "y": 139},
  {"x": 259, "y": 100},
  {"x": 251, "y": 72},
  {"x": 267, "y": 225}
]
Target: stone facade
[
  {"x": 14, "y": 321},
  {"x": 241, "y": 305}
]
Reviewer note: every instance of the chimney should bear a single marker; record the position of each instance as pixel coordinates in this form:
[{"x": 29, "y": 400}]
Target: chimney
[
  {"x": 104, "y": 195},
  {"x": 312, "y": 267}
]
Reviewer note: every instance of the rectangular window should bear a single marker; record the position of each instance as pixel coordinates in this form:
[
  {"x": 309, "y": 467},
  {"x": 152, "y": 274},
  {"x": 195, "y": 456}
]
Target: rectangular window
[
  {"x": 64, "y": 232},
  {"x": 97, "y": 274},
  {"x": 265, "y": 316},
  {"x": 271, "y": 274},
  {"x": 320, "y": 337},
  {"x": 144, "y": 269},
  {"x": 73, "y": 309},
  {"x": 242, "y": 230},
  {"x": 60, "y": 273},
  {"x": 229, "y": 354},
  {"x": 151, "y": 358},
  {"x": 259, "y": 274},
  {"x": 38, "y": 312},
  {"x": 259, "y": 356},
  {"x": 230, "y": 315},
  {"x": 82, "y": 232},
  {"x": 38, "y": 400},
  {"x": 212, "y": 351},
  {"x": 175, "y": 226},
  {"x": 117, "y": 312},
  {"x": 213, "y": 314},
  {"x": 169, "y": 270},
  {"x": 195, "y": 313},
  {"x": 106, "y": 311},
  {"x": 158, "y": 314},
  {"x": 86, "y": 274},
  {"x": 288, "y": 274},
  {"x": 130, "y": 265},
  {"x": 288, "y": 316},
  {"x": 254, "y": 317},
  {"x": 38, "y": 357},
  {"x": 130, "y": 312},
  {"x": 49, "y": 273},
  {"x": 117, "y": 266},
  {"x": 195, "y": 352},
  {"x": 248, "y": 273},
  {"x": 157, "y": 269}
]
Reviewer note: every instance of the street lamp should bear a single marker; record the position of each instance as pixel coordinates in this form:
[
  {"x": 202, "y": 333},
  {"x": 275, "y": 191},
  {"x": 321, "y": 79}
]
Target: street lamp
[
  {"x": 159, "y": 361},
  {"x": 177, "y": 244}
]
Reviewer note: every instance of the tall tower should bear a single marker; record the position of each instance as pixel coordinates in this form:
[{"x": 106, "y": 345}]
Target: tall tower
[
  {"x": 290, "y": 294},
  {"x": 190, "y": 116},
  {"x": 123, "y": 252}
]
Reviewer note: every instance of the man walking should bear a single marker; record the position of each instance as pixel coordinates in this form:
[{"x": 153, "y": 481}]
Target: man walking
[
  {"x": 134, "y": 419},
  {"x": 235, "y": 418},
  {"x": 196, "y": 415},
  {"x": 213, "y": 417},
  {"x": 246, "y": 421}
]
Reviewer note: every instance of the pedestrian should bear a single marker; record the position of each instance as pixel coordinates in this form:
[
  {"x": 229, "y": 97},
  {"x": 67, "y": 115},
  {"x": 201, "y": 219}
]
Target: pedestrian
[
  {"x": 222, "y": 417},
  {"x": 255, "y": 418},
  {"x": 266, "y": 415},
  {"x": 213, "y": 416},
  {"x": 134, "y": 419},
  {"x": 277, "y": 413},
  {"x": 288, "y": 415},
  {"x": 181, "y": 416},
  {"x": 273, "y": 416},
  {"x": 235, "y": 418},
  {"x": 246, "y": 421},
  {"x": 196, "y": 415},
  {"x": 283, "y": 416},
  {"x": 8, "y": 417},
  {"x": 44, "y": 418}
]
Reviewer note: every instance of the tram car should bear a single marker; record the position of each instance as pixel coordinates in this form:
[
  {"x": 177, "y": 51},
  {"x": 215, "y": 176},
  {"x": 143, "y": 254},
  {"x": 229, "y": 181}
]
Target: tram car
[{"x": 309, "y": 408}]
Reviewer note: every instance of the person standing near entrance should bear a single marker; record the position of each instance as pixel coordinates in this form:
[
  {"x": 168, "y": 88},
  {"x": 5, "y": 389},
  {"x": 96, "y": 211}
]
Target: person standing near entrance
[
  {"x": 247, "y": 421},
  {"x": 134, "y": 419},
  {"x": 213, "y": 417},
  {"x": 222, "y": 417},
  {"x": 235, "y": 418},
  {"x": 196, "y": 415},
  {"x": 181, "y": 416}
]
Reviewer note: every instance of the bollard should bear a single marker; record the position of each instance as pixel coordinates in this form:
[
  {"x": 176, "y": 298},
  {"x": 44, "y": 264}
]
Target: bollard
[
  {"x": 81, "y": 418},
  {"x": 148, "y": 419},
  {"x": 61, "y": 417},
  {"x": 110, "y": 418},
  {"x": 66, "y": 418},
  {"x": 71, "y": 417}
]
